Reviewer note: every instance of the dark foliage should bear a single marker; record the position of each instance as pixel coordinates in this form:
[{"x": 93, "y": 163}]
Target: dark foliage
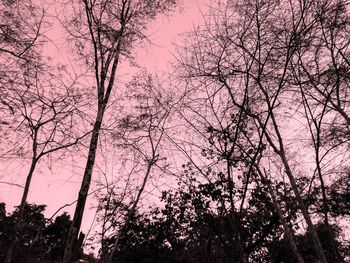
[
  {"x": 193, "y": 227},
  {"x": 334, "y": 250},
  {"x": 37, "y": 240}
]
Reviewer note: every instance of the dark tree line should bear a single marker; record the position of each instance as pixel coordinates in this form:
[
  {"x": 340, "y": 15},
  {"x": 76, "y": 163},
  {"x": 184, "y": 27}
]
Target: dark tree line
[
  {"x": 39, "y": 239},
  {"x": 187, "y": 229}
]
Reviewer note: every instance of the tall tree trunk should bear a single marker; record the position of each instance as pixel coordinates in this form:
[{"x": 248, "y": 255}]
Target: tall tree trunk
[
  {"x": 71, "y": 249},
  {"x": 281, "y": 152},
  {"x": 287, "y": 230},
  {"x": 317, "y": 244}
]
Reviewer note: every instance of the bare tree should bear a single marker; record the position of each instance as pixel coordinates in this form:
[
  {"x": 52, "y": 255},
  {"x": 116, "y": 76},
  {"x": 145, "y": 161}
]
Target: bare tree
[
  {"x": 143, "y": 131},
  {"x": 105, "y": 31},
  {"x": 136, "y": 141},
  {"x": 21, "y": 26},
  {"x": 43, "y": 118},
  {"x": 249, "y": 51},
  {"x": 321, "y": 77}
]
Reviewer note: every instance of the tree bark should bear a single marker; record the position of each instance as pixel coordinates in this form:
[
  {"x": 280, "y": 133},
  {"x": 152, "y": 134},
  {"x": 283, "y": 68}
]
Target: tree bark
[{"x": 73, "y": 233}]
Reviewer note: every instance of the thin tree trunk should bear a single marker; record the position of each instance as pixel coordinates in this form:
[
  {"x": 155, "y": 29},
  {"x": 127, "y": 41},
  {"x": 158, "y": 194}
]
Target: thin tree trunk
[
  {"x": 71, "y": 249},
  {"x": 235, "y": 223},
  {"x": 27, "y": 186},
  {"x": 287, "y": 230},
  {"x": 133, "y": 208},
  {"x": 281, "y": 152},
  {"x": 317, "y": 244},
  {"x": 21, "y": 209},
  {"x": 317, "y": 143},
  {"x": 323, "y": 189}
]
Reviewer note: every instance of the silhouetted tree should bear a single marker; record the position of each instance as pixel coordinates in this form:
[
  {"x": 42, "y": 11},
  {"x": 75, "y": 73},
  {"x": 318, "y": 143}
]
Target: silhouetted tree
[
  {"x": 37, "y": 239},
  {"x": 252, "y": 58},
  {"x": 106, "y": 30},
  {"x": 45, "y": 118},
  {"x": 195, "y": 226},
  {"x": 21, "y": 26}
]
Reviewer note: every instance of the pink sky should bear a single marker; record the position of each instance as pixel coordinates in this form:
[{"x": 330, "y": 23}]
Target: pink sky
[{"x": 59, "y": 186}]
